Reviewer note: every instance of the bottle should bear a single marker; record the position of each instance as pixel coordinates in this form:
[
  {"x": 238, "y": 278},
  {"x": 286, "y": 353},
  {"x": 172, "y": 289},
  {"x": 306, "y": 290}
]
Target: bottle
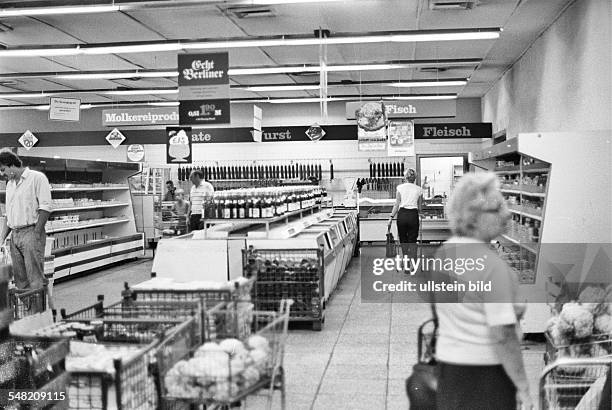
[
  {"x": 228, "y": 208},
  {"x": 402, "y": 169},
  {"x": 331, "y": 170},
  {"x": 241, "y": 207},
  {"x": 249, "y": 206}
]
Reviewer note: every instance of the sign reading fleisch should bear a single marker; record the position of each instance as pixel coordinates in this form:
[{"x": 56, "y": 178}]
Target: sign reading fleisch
[
  {"x": 401, "y": 139},
  {"x": 135, "y": 153},
  {"x": 115, "y": 138},
  {"x": 140, "y": 116},
  {"x": 64, "y": 109},
  {"x": 28, "y": 140},
  {"x": 178, "y": 145},
  {"x": 371, "y": 126},
  {"x": 203, "y": 89},
  {"x": 411, "y": 108},
  {"x": 454, "y": 130}
]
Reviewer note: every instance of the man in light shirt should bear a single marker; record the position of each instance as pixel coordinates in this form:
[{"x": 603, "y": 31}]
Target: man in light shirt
[
  {"x": 28, "y": 205},
  {"x": 197, "y": 196}
]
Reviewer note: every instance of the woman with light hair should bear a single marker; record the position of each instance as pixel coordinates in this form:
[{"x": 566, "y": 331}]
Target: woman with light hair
[
  {"x": 478, "y": 347},
  {"x": 407, "y": 203}
]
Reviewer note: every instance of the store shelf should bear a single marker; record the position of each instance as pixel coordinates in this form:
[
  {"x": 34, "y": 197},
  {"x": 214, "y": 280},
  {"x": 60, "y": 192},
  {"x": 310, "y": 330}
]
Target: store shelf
[
  {"x": 521, "y": 244},
  {"x": 91, "y": 189},
  {"x": 525, "y": 214},
  {"x": 261, "y": 220},
  {"x": 85, "y": 226},
  {"x": 534, "y": 194},
  {"x": 535, "y": 170},
  {"x": 81, "y": 208}
]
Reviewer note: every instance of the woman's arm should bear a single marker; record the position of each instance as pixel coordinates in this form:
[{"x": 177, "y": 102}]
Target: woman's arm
[
  {"x": 398, "y": 201},
  {"x": 509, "y": 352}
]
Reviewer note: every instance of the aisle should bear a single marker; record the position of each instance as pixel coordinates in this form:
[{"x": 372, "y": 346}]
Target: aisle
[{"x": 358, "y": 361}]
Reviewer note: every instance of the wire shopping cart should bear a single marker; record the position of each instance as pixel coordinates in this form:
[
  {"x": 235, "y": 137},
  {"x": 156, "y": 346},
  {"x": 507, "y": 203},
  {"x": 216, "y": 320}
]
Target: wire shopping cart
[
  {"x": 233, "y": 382},
  {"x": 576, "y": 384}
]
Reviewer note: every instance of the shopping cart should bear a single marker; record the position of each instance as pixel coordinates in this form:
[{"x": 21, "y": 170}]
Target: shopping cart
[
  {"x": 595, "y": 346},
  {"x": 236, "y": 384},
  {"x": 576, "y": 384}
]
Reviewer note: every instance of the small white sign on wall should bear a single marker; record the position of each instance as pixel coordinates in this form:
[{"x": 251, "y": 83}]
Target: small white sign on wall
[{"x": 64, "y": 109}]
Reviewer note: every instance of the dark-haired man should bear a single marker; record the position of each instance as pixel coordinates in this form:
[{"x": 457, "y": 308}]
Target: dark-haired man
[
  {"x": 170, "y": 195},
  {"x": 200, "y": 191},
  {"x": 28, "y": 205}
]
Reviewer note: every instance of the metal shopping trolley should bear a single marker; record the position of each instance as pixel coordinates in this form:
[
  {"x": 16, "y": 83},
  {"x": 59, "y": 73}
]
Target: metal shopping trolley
[
  {"x": 227, "y": 387},
  {"x": 576, "y": 384}
]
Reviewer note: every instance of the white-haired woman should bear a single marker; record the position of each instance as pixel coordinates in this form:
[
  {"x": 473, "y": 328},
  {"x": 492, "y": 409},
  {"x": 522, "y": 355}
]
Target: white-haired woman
[
  {"x": 478, "y": 346},
  {"x": 407, "y": 203}
]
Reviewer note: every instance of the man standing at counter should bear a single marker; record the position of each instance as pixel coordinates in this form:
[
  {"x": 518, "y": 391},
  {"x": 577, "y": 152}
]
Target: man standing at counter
[
  {"x": 197, "y": 196},
  {"x": 28, "y": 205}
]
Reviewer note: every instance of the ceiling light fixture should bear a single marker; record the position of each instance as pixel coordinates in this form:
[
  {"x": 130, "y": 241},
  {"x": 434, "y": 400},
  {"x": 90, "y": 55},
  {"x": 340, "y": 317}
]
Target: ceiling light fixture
[
  {"x": 23, "y": 95},
  {"x": 288, "y": 40},
  {"x": 287, "y": 87},
  {"x": 117, "y": 75},
  {"x": 47, "y": 11},
  {"x": 441, "y": 83}
]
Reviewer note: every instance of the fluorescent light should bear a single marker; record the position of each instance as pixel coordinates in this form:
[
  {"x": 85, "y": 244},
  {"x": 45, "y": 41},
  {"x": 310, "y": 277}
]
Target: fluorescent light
[
  {"x": 281, "y": 2},
  {"x": 165, "y": 104},
  {"x": 274, "y": 70},
  {"x": 127, "y": 49},
  {"x": 423, "y": 97},
  {"x": 23, "y": 95},
  {"x": 153, "y": 46},
  {"x": 108, "y": 76},
  {"x": 263, "y": 88},
  {"x": 442, "y": 83},
  {"x": 46, "y": 11},
  {"x": 140, "y": 92}
]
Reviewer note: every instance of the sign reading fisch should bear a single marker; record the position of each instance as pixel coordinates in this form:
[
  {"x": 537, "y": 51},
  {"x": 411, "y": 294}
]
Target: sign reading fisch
[
  {"x": 411, "y": 108},
  {"x": 140, "y": 116},
  {"x": 203, "y": 89}
]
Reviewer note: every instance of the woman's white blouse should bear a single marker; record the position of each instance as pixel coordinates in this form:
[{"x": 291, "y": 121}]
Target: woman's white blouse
[{"x": 409, "y": 194}]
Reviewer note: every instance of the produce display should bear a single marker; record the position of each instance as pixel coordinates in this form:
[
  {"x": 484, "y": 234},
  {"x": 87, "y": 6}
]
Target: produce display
[
  {"x": 93, "y": 357},
  {"x": 221, "y": 371},
  {"x": 583, "y": 328}
]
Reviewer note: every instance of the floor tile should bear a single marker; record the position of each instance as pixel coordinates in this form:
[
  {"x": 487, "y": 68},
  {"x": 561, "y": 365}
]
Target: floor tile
[
  {"x": 356, "y": 371},
  {"x": 398, "y": 402},
  {"x": 350, "y": 386},
  {"x": 352, "y": 402},
  {"x": 348, "y": 358}
]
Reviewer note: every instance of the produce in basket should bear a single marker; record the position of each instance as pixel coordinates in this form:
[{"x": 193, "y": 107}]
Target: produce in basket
[
  {"x": 593, "y": 298},
  {"x": 576, "y": 320},
  {"x": 603, "y": 324}
]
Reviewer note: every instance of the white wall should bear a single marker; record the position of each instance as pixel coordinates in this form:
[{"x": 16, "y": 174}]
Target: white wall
[{"x": 563, "y": 82}]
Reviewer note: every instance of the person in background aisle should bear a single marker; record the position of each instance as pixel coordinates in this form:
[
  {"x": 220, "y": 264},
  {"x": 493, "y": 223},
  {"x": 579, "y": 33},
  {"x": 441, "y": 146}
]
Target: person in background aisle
[
  {"x": 170, "y": 195},
  {"x": 181, "y": 210},
  {"x": 479, "y": 339},
  {"x": 407, "y": 204},
  {"x": 28, "y": 205},
  {"x": 197, "y": 196}
]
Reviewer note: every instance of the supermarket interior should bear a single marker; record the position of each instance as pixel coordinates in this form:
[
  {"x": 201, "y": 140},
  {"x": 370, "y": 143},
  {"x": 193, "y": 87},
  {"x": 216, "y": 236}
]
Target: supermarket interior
[{"x": 217, "y": 204}]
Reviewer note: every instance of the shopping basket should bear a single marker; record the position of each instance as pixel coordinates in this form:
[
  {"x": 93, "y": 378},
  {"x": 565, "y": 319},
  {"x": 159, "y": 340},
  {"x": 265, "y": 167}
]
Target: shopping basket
[
  {"x": 576, "y": 384},
  {"x": 594, "y": 346},
  {"x": 232, "y": 384},
  {"x": 28, "y": 302}
]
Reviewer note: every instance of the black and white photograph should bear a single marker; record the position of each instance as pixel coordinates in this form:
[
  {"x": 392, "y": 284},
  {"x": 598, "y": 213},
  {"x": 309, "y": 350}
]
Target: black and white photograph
[{"x": 305, "y": 204}]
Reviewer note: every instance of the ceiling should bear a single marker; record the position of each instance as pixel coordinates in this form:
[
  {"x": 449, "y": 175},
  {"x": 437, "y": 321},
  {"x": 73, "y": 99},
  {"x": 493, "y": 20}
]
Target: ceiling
[{"x": 521, "y": 20}]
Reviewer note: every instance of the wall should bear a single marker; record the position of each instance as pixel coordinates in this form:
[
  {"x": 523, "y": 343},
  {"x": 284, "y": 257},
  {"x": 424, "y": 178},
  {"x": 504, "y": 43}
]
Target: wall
[{"x": 563, "y": 81}]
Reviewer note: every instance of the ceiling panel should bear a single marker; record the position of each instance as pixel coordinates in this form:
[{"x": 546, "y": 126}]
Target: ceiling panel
[
  {"x": 95, "y": 62},
  {"x": 102, "y": 27},
  {"x": 145, "y": 83},
  {"x": 488, "y": 13},
  {"x": 29, "y": 65},
  {"x": 29, "y": 31},
  {"x": 454, "y": 49},
  {"x": 190, "y": 22}
]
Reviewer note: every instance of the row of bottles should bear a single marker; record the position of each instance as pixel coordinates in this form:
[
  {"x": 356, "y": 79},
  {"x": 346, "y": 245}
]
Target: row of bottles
[
  {"x": 295, "y": 170},
  {"x": 258, "y": 203},
  {"x": 378, "y": 184},
  {"x": 386, "y": 169}
]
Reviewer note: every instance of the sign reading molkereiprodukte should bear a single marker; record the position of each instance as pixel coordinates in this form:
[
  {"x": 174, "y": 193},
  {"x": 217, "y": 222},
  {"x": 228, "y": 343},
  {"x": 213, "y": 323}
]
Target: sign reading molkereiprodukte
[
  {"x": 140, "y": 116},
  {"x": 203, "y": 89},
  {"x": 411, "y": 108}
]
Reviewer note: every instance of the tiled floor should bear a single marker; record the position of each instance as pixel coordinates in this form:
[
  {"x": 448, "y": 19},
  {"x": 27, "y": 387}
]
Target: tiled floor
[{"x": 358, "y": 361}]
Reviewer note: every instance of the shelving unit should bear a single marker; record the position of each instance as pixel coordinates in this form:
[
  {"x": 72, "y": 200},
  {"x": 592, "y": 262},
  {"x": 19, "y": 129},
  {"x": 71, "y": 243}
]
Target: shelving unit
[
  {"x": 110, "y": 235},
  {"x": 568, "y": 215}
]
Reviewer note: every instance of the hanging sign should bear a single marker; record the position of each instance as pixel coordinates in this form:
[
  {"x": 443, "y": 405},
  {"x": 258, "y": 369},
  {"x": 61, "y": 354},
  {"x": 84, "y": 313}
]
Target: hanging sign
[
  {"x": 28, "y": 140},
  {"x": 401, "y": 139},
  {"x": 203, "y": 89},
  {"x": 371, "y": 126},
  {"x": 257, "y": 118},
  {"x": 315, "y": 132},
  {"x": 64, "y": 109},
  {"x": 135, "y": 153},
  {"x": 178, "y": 145},
  {"x": 411, "y": 108},
  {"x": 115, "y": 138},
  {"x": 121, "y": 117}
]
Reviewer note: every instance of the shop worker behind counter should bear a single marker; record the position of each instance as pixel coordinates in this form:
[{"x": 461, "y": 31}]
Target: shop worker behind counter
[
  {"x": 197, "y": 196},
  {"x": 28, "y": 204}
]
